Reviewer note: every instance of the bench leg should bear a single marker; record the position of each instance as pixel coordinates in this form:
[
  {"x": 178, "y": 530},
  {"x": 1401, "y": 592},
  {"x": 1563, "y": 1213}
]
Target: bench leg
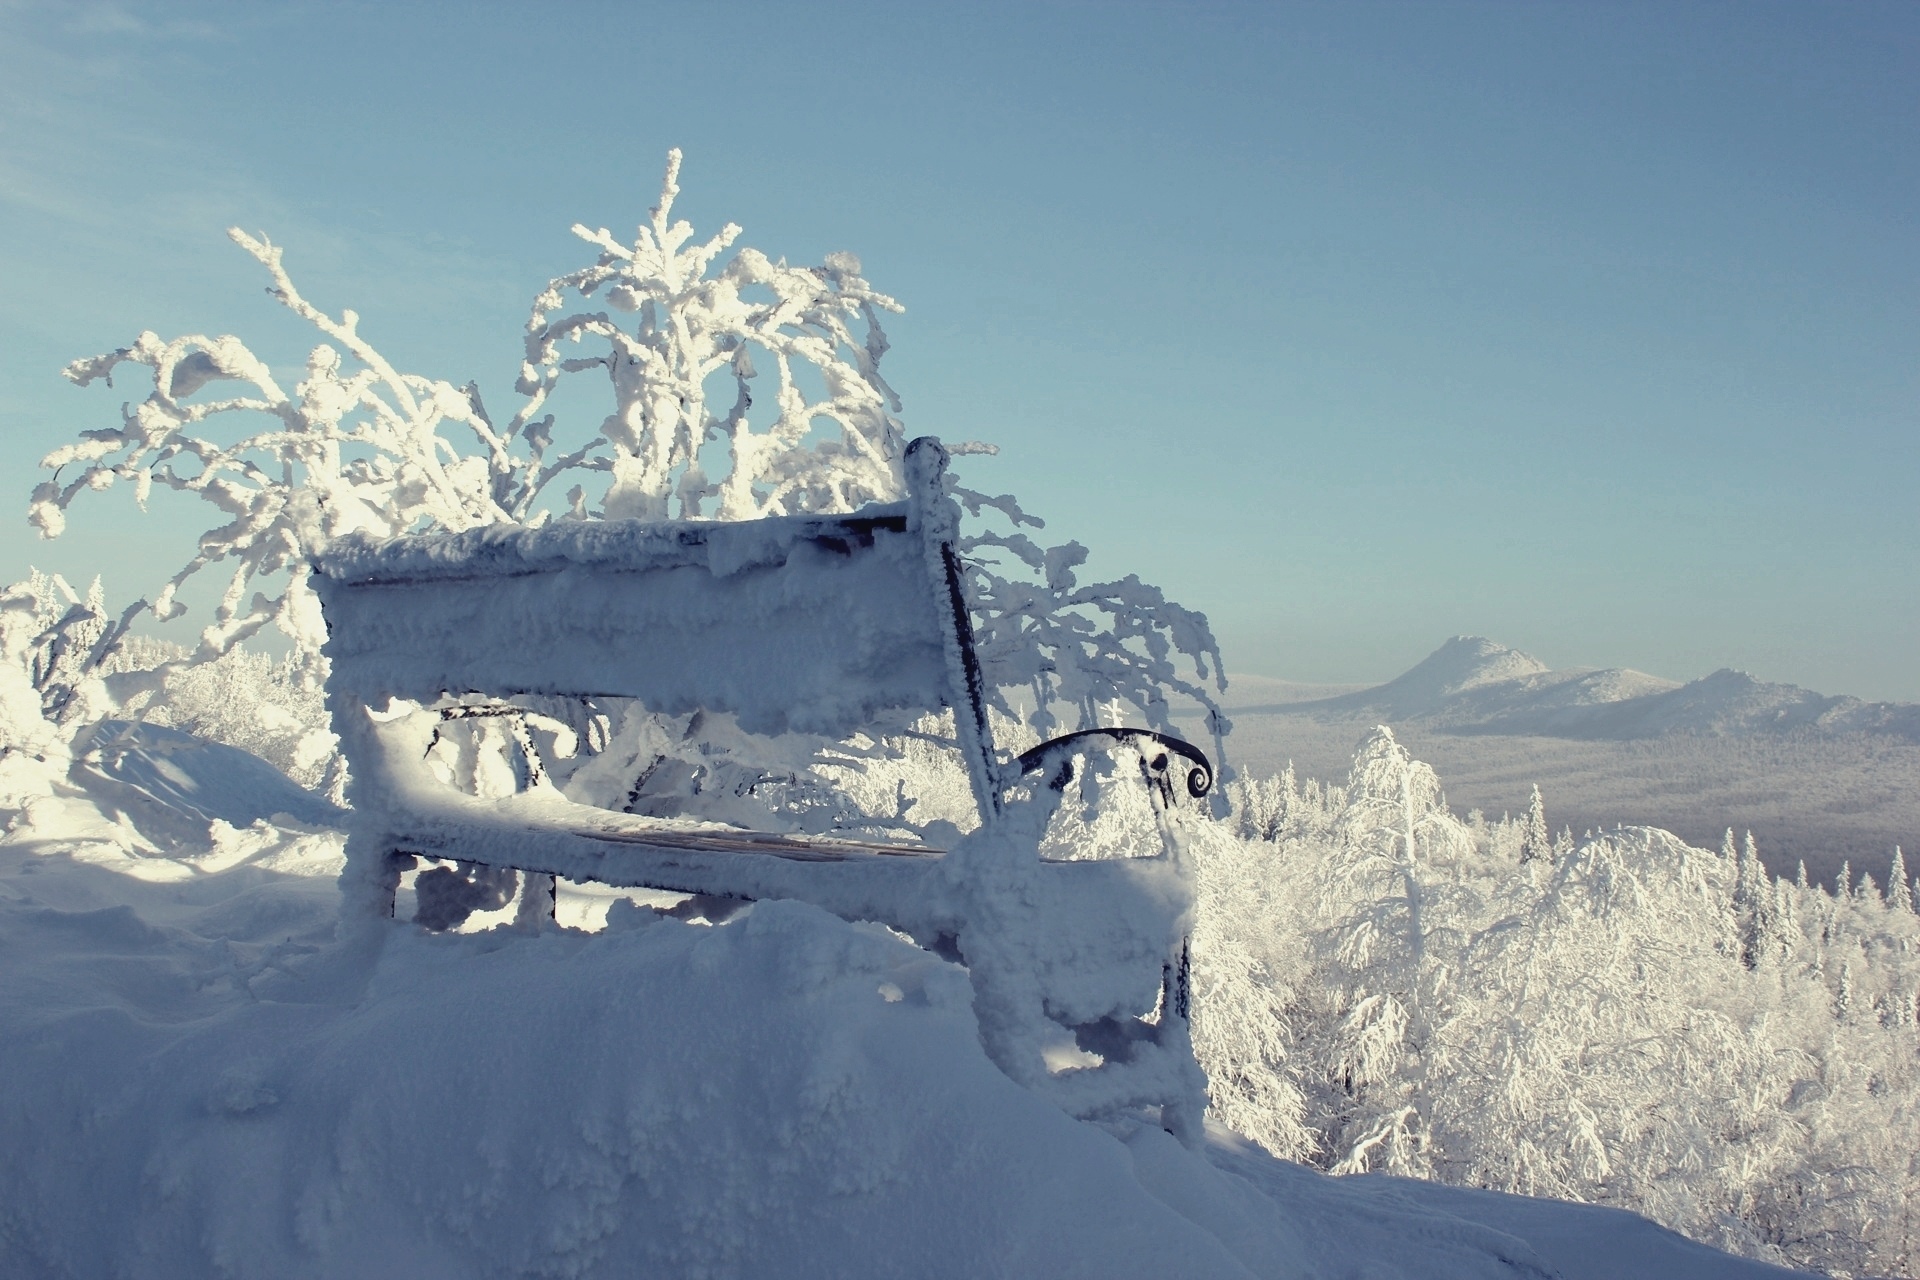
[
  {"x": 371, "y": 880},
  {"x": 1183, "y": 1115},
  {"x": 539, "y": 898}
]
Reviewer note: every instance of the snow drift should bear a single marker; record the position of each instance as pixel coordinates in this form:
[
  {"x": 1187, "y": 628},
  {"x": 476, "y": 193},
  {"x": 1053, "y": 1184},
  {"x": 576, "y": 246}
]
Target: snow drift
[{"x": 200, "y": 1082}]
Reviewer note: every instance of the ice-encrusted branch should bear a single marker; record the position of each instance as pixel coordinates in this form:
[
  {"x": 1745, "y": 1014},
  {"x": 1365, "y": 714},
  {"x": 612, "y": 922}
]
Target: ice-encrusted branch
[
  {"x": 1069, "y": 651},
  {"x": 357, "y": 446}
]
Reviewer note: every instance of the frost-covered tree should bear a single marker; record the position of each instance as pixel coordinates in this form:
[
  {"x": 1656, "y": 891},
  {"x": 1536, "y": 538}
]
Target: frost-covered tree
[
  {"x": 1536, "y": 843},
  {"x": 1056, "y": 651},
  {"x": 1387, "y": 982},
  {"x": 1247, "y": 977},
  {"x": 1591, "y": 1030}
]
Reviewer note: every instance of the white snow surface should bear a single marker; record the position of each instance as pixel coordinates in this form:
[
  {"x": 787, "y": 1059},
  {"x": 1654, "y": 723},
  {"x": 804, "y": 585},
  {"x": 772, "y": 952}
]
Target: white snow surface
[{"x": 201, "y": 1082}]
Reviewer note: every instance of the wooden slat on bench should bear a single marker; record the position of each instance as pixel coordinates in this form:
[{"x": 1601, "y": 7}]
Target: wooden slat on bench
[
  {"x": 856, "y": 879},
  {"x": 799, "y": 848}
]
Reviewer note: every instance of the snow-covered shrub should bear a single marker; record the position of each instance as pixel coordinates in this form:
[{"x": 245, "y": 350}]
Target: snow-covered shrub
[
  {"x": 49, "y": 645},
  {"x": 252, "y": 701},
  {"x": 1056, "y": 653}
]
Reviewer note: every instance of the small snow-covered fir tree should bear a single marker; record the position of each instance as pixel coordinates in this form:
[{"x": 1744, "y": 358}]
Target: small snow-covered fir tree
[
  {"x": 1536, "y": 842},
  {"x": 52, "y": 647},
  {"x": 1752, "y": 904}
]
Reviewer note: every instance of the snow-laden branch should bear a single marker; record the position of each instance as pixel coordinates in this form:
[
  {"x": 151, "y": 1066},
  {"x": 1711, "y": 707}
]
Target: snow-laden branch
[
  {"x": 743, "y": 387},
  {"x": 1065, "y": 655},
  {"x": 357, "y": 446}
]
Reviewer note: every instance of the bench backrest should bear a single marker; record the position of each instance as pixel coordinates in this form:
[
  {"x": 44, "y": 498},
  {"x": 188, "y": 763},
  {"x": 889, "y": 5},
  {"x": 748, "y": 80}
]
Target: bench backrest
[{"x": 810, "y": 624}]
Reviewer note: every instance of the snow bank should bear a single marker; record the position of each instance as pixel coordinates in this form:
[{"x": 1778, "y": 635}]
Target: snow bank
[
  {"x": 163, "y": 773},
  {"x": 199, "y": 1083}
]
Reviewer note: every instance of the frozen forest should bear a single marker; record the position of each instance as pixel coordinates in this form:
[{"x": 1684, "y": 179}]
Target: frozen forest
[{"x": 1383, "y": 986}]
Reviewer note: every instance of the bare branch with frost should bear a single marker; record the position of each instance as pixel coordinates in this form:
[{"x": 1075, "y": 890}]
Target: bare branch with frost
[{"x": 358, "y": 446}]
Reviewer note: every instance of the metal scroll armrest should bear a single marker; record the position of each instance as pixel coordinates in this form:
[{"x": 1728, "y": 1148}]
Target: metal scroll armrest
[{"x": 1054, "y": 759}]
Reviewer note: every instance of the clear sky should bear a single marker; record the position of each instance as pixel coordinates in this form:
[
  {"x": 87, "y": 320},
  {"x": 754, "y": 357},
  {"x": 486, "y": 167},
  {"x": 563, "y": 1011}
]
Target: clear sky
[{"x": 1594, "y": 329}]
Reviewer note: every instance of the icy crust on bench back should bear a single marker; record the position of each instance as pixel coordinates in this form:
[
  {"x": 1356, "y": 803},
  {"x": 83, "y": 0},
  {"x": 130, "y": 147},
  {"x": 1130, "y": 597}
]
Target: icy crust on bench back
[
  {"x": 722, "y": 548},
  {"x": 803, "y": 624}
]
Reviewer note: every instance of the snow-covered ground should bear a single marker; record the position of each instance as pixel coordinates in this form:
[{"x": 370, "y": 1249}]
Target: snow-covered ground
[{"x": 200, "y": 1082}]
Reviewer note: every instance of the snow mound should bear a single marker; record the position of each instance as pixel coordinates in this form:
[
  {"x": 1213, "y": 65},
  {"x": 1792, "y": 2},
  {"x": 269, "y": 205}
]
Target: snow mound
[
  {"x": 199, "y": 1083},
  {"x": 172, "y": 783}
]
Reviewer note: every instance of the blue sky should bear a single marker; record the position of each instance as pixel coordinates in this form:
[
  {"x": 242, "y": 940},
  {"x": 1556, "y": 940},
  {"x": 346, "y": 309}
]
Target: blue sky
[{"x": 1589, "y": 328}]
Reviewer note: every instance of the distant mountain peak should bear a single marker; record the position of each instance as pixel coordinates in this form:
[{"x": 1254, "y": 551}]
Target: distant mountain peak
[
  {"x": 1472, "y": 684},
  {"x": 1468, "y": 662},
  {"x": 1455, "y": 670}
]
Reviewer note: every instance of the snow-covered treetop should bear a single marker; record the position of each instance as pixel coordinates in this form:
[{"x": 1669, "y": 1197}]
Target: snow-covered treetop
[{"x": 835, "y": 452}]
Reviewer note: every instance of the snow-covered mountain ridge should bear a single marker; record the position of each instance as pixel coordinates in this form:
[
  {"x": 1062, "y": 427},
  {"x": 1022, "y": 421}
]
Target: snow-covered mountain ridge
[{"x": 1474, "y": 685}]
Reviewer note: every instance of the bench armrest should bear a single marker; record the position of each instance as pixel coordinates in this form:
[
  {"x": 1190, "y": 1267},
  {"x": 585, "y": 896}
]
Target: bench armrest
[{"x": 1054, "y": 758}]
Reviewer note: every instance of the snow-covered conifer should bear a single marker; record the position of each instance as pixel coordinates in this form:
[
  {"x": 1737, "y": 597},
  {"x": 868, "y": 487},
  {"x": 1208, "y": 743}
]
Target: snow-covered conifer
[
  {"x": 1260, "y": 806},
  {"x": 33, "y": 747},
  {"x": 1537, "y": 842},
  {"x": 1752, "y": 904},
  {"x": 1899, "y": 890}
]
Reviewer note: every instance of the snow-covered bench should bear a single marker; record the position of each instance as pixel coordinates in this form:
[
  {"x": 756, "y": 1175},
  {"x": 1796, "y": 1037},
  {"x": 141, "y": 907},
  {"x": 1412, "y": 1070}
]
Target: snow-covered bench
[{"x": 808, "y": 624}]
